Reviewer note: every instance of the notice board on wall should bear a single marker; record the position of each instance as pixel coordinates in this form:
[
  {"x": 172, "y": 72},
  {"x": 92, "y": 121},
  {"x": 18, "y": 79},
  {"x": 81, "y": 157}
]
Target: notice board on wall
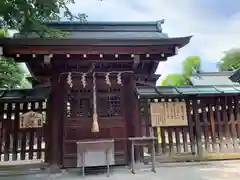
[{"x": 168, "y": 114}]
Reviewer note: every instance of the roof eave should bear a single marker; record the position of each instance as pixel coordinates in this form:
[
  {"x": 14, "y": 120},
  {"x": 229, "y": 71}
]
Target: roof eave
[{"x": 180, "y": 42}]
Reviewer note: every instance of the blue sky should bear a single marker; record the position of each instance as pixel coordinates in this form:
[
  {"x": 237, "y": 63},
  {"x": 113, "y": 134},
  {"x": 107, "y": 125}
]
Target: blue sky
[{"x": 214, "y": 24}]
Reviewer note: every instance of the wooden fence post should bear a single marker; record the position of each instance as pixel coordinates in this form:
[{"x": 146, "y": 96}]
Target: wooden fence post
[
  {"x": 191, "y": 126},
  {"x": 196, "y": 106}
]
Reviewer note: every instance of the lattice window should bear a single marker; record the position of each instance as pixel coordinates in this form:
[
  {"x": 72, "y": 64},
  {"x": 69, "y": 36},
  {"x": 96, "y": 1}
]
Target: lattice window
[
  {"x": 109, "y": 103},
  {"x": 79, "y": 103}
]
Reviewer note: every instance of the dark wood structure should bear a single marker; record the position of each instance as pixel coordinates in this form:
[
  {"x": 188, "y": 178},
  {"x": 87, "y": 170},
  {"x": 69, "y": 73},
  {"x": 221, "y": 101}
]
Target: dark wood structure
[
  {"x": 19, "y": 144},
  {"x": 120, "y": 55},
  {"x": 235, "y": 77},
  {"x": 213, "y": 129}
]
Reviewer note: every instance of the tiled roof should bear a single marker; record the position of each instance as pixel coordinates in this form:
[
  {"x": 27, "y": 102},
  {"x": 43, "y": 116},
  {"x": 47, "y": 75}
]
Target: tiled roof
[
  {"x": 25, "y": 94},
  {"x": 212, "y": 78},
  {"x": 112, "y": 31},
  {"x": 151, "y": 92}
]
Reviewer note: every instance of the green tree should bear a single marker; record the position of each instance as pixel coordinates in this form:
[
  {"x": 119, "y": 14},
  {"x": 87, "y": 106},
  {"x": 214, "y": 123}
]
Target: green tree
[
  {"x": 25, "y": 15},
  {"x": 191, "y": 65},
  {"x": 231, "y": 61},
  {"x": 12, "y": 75}
]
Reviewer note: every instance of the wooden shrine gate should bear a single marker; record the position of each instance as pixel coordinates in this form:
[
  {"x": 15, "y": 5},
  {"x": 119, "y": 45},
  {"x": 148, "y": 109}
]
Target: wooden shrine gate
[
  {"x": 78, "y": 119},
  {"x": 213, "y": 129},
  {"x": 20, "y": 141}
]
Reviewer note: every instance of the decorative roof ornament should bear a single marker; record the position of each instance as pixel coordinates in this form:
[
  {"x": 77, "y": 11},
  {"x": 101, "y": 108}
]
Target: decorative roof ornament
[{"x": 159, "y": 25}]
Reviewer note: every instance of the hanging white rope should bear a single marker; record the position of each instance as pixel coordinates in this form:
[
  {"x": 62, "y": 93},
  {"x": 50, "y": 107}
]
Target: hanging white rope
[
  {"x": 84, "y": 83},
  {"x": 107, "y": 79},
  {"x": 119, "y": 78},
  {"x": 95, "y": 126},
  {"x": 69, "y": 79},
  {"x": 80, "y": 73}
]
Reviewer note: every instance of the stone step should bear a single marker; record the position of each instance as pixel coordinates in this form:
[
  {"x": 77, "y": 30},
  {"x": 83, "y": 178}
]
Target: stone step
[{"x": 9, "y": 169}]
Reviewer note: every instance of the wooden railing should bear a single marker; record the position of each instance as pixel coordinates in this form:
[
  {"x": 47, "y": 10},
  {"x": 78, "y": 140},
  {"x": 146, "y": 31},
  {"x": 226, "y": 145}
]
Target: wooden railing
[{"x": 21, "y": 143}]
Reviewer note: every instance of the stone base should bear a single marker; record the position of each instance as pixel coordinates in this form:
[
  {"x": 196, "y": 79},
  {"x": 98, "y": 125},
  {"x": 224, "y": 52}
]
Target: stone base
[{"x": 53, "y": 168}]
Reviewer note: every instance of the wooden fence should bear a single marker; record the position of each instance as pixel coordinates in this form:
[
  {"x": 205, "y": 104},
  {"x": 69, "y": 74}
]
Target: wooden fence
[
  {"x": 16, "y": 143},
  {"x": 213, "y": 126}
]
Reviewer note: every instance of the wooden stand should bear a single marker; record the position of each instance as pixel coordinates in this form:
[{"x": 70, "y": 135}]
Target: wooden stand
[
  {"x": 143, "y": 141},
  {"x": 105, "y": 146}
]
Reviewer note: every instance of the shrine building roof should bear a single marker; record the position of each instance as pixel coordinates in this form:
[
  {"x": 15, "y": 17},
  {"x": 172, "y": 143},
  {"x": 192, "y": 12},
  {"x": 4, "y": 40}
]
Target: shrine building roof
[
  {"x": 93, "y": 33},
  {"x": 15, "y": 95},
  {"x": 119, "y": 46}
]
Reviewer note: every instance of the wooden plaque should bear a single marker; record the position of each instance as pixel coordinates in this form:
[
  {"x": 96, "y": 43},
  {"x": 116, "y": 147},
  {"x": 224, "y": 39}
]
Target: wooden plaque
[
  {"x": 168, "y": 114},
  {"x": 31, "y": 119}
]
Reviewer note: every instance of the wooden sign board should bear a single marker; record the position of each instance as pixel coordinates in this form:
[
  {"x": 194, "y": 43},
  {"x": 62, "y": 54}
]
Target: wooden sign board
[
  {"x": 31, "y": 120},
  {"x": 168, "y": 114}
]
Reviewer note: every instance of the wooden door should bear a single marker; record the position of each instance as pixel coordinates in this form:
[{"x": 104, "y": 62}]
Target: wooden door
[{"x": 78, "y": 118}]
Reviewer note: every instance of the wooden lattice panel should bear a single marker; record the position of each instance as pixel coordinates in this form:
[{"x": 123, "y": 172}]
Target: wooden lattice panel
[
  {"x": 168, "y": 114},
  {"x": 109, "y": 103}
]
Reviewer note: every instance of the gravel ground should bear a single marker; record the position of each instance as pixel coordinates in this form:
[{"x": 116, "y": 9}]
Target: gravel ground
[{"x": 180, "y": 171}]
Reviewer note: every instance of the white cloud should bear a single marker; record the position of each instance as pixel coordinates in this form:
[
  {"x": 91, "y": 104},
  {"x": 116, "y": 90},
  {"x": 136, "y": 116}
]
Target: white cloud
[{"x": 213, "y": 34}]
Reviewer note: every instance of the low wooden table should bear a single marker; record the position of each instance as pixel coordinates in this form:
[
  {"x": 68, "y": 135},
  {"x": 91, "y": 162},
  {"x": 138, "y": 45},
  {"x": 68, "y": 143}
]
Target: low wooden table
[
  {"x": 104, "y": 146},
  {"x": 143, "y": 141}
]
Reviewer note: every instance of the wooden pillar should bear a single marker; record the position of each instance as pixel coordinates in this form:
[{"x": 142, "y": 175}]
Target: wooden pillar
[
  {"x": 135, "y": 103},
  {"x": 128, "y": 118},
  {"x": 132, "y": 111},
  {"x": 196, "y": 106},
  {"x": 55, "y": 123}
]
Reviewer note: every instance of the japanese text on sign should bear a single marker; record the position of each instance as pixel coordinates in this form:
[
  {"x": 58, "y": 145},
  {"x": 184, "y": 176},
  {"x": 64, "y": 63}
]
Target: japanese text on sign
[
  {"x": 31, "y": 120},
  {"x": 168, "y": 114}
]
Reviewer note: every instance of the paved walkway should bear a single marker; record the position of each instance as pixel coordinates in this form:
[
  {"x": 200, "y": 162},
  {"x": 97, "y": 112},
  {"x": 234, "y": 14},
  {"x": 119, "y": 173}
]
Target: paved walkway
[{"x": 181, "y": 171}]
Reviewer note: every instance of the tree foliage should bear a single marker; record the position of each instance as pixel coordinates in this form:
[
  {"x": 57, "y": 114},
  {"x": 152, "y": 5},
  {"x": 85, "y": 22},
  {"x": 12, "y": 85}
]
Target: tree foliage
[
  {"x": 231, "y": 61},
  {"x": 11, "y": 74},
  {"x": 191, "y": 65},
  {"x": 25, "y": 15}
]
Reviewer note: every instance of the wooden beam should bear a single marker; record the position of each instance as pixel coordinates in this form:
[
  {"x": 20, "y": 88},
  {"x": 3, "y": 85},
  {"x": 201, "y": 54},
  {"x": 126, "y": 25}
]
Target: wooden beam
[
  {"x": 91, "y": 58},
  {"x": 13, "y": 50}
]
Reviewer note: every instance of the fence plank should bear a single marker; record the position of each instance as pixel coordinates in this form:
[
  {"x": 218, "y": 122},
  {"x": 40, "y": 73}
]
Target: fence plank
[
  {"x": 213, "y": 128},
  {"x": 206, "y": 128},
  {"x": 178, "y": 143},
  {"x": 15, "y": 131},
  {"x": 7, "y": 123},
  {"x": 191, "y": 125},
  {"x": 237, "y": 116},
  {"x": 185, "y": 140},
  {"x": 226, "y": 120},
  {"x": 1, "y": 129},
  {"x": 232, "y": 123},
  {"x": 163, "y": 138},
  {"x": 197, "y": 126},
  {"x": 170, "y": 140}
]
